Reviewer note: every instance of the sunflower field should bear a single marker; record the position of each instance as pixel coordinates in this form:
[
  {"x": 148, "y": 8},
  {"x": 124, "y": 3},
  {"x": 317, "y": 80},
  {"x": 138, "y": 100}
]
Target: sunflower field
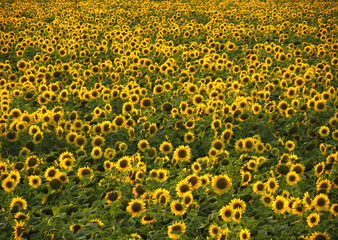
[{"x": 172, "y": 119}]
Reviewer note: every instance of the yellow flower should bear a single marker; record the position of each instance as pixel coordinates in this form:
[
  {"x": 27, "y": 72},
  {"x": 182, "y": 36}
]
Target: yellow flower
[
  {"x": 244, "y": 234},
  {"x": 113, "y": 196},
  {"x": 8, "y": 184},
  {"x": 176, "y": 229},
  {"x": 182, "y": 153},
  {"x": 177, "y": 208},
  {"x": 123, "y": 163},
  {"x": 221, "y": 184},
  {"x": 292, "y": 178},
  {"x": 321, "y": 202},
  {"x": 19, "y": 201},
  {"x": 279, "y": 205},
  {"x": 34, "y": 181},
  {"x": 136, "y": 207},
  {"x": 226, "y": 213},
  {"x": 86, "y": 172},
  {"x": 183, "y": 187},
  {"x": 313, "y": 219}
]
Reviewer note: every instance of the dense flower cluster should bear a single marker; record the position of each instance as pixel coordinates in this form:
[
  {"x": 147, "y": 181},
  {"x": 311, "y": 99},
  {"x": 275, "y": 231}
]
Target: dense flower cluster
[{"x": 168, "y": 119}]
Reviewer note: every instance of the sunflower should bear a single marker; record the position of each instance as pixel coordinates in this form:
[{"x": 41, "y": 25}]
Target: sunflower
[
  {"x": 292, "y": 178},
  {"x": 324, "y": 131},
  {"x": 176, "y": 229},
  {"x": 12, "y": 136},
  {"x": 313, "y": 219},
  {"x": 226, "y": 213},
  {"x": 221, "y": 184},
  {"x": 252, "y": 165},
  {"x": 98, "y": 141},
  {"x": 177, "y": 208},
  {"x": 21, "y": 216},
  {"x": 75, "y": 227},
  {"x": 320, "y": 106},
  {"x": 146, "y": 102},
  {"x": 19, "y": 201},
  {"x": 198, "y": 99},
  {"x": 237, "y": 216},
  {"x": 67, "y": 163},
  {"x": 97, "y": 221},
  {"x": 196, "y": 167},
  {"x": 272, "y": 185},
  {"x": 18, "y": 229},
  {"x": 238, "y": 204},
  {"x": 279, "y": 205},
  {"x": 194, "y": 180},
  {"x": 113, "y": 196},
  {"x": 319, "y": 169},
  {"x": 319, "y": 236},
  {"x": 51, "y": 173},
  {"x": 249, "y": 144},
  {"x": 267, "y": 199},
  {"x": 182, "y": 153},
  {"x": 189, "y": 137},
  {"x": 323, "y": 186},
  {"x": 55, "y": 183},
  {"x": 334, "y": 209},
  {"x": 34, "y": 181},
  {"x": 246, "y": 178},
  {"x": 15, "y": 175},
  {"x": 289, "y": 145},
  {"x": 298, "y": 168},
  {"x": 96, "y": 153},
  {"x": 8, "y": 184},
  {"x": 335, "y": 135},
  {"x": 187, "y": 199},
  {"x": 223, "y": 234},
  {"x": 244, "y": 234},
  {"x": 298, "y": 207},
  {"x": 166, "y": 148},
  {"x": 123, "y": 164},
  {"x": 259, "y": 187},
  {"x": 161, "y": 195},
  {"x": 205, "y": 180},
  {"x": 22, "y": 65},
  {"x": 63, "y": 177},
  {"x": 183, "y": 187},
  {"x": 217, "y": 144},
  {"x": 321, "y": 202},
  {"x": 119, "y": 121},
  {"x": 148, "y": 219},
  {"x": 136, "y": 207},
  {"x": 214, "y": 230},
  {"x": 86, "y": 172},
  {"x": 162, "y": 175}
]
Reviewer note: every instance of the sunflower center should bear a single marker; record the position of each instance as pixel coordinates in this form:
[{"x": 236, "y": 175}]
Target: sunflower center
[
  {"x": 176, "y": 228},
  {"x": 260, "y": 187},
  {"x": 182, "y": 153},
  {"x": 113, "y": 196},
  {"x": 227, "y": 213},
  {"x": 321, "y": 202},
  {"x": 9, "y": 184},
  {"x": 221, "y": 183},
  {"x": 279, "y": 205},
  {"x": 136, "y": 207},
  {"x": 123, "y": 163},
  {"x": 184, "y": 188},
  {"x": 178, "y": 207}
]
